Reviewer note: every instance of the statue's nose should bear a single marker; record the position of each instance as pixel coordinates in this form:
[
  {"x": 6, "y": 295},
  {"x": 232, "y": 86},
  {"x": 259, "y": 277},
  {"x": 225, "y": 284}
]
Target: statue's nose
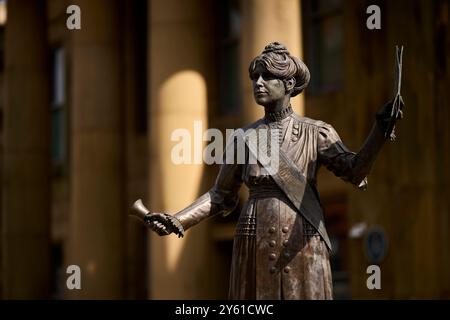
[{"x": 259, "y": 82}]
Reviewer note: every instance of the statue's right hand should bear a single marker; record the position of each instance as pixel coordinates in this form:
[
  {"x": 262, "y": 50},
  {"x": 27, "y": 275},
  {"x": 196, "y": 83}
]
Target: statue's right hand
[{"x": 158, "y": 223}]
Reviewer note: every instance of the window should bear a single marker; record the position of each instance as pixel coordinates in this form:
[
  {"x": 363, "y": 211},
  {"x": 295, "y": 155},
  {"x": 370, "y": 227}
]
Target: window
[
  {"x": 58, "y": 272},
  {"x": 58, "y": 109},
  {"x": 324, "y": 41},
  {"x": 139, "y": 37},
  {"x": 229, "y": 30}
]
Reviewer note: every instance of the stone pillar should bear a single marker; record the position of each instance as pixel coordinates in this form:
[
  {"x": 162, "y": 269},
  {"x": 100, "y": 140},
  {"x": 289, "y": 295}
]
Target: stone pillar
[
  {"x": 135, "y": 91},
  {"x": 26, "y": 188},
  {"x": 2, "y": 108},
  {"x": 98, "y": 212},
  {"x": 442, "y": 159},
  {"x": 265, "y": 21},
  {"x": 180, "y": 66}
]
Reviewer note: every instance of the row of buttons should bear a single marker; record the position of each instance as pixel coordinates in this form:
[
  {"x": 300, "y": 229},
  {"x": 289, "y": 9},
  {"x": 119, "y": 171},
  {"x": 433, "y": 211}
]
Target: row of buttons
[
  {"x": 295, "y": 132},
  {"x": 284, "y": 229},
  {"x": 273, "y": 243},
  {"x": 285, "y": 269},
  {"x": 273, "y": 256}
]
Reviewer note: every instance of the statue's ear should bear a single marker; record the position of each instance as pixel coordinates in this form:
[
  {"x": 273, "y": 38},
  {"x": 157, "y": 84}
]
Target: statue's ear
[{"x": 289, "y": 84}]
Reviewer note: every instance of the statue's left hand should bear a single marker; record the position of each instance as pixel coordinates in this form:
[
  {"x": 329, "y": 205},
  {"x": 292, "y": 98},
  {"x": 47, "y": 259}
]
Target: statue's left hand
[
  {"x": 386, "y": 112},
  {"x": 388, "y": 115}
]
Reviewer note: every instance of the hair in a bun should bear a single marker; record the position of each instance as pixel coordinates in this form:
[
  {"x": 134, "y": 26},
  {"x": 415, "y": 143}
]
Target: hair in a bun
[
  {"x": 279, "y": 62},
  {"x": 275, "y": 47}
]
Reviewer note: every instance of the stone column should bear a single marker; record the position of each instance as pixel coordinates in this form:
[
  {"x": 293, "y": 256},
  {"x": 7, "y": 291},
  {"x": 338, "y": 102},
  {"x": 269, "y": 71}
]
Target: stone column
[
  {"x": 265, "y": 21},
  {"x": 26, "y": 188},
  {"x": 98, "y": 213},
  {"x": 180, "y": 65},
  {"x": 136, "y": 129}
]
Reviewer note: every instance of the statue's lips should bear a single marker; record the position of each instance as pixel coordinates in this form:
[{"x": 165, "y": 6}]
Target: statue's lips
[{"x": 260, "y": 93}]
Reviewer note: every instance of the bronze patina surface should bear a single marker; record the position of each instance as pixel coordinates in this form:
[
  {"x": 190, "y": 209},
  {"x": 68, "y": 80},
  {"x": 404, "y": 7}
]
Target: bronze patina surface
[{"x": 281, "y": 247}]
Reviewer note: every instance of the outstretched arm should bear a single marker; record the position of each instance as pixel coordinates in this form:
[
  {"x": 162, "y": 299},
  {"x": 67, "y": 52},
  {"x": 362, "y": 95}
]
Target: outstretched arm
[{"x": 222, "y": 198}]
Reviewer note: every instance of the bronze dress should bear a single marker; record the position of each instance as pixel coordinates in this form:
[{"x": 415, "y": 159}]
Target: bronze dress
[{"x": 277, "y": 254}]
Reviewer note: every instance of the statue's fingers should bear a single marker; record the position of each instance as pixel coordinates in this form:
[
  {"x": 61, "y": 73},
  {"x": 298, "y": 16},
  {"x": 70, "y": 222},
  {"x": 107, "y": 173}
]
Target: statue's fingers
[
  {"x": 153, "y": 226},
  {"x": 161, "y": 231},
  {"x": 159, "y": 217},
  {"x": 156, "y": 226},
  {"x": 160, "y": 226},
  {"x": 165, "y": 232}
]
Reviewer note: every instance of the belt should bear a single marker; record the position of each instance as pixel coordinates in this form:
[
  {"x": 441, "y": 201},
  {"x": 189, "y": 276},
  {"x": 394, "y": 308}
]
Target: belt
[{"x": 266, "y": 191}]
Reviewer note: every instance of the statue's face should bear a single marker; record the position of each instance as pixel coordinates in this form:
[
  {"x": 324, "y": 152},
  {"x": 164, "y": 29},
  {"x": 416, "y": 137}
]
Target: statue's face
[{"x": 267, "y": 89}]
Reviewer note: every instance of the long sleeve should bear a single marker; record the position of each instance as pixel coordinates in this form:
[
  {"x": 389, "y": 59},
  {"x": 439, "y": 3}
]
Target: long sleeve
[
  {"x": 222, "y": 198},
  {"x": 350, "y": 166}
]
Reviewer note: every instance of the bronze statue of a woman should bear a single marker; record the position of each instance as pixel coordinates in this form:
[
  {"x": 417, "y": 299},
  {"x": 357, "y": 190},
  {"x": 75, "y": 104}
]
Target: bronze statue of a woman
[{"x": 281, "y": 247}]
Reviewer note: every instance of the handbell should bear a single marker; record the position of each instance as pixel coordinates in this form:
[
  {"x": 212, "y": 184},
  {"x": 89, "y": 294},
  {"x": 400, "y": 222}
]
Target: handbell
[
  {"x": 172, "y": 224},
  {"x": 139, "y": 211}
]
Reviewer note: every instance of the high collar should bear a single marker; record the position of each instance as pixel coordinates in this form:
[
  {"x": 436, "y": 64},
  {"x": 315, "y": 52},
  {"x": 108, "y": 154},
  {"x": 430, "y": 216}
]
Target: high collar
[{"x": 278, "y": 115}]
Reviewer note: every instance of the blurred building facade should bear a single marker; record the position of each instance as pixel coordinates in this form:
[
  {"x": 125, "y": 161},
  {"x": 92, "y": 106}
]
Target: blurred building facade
[{"x": 87, "y": 117}]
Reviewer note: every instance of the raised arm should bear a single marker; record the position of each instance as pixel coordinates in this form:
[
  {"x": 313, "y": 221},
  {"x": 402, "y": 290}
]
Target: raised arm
[{"x": 350, "y": 166}]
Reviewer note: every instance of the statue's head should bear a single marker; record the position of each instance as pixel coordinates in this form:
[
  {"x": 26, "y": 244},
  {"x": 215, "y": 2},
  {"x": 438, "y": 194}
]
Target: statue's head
[{"x": 277, "y": 75}]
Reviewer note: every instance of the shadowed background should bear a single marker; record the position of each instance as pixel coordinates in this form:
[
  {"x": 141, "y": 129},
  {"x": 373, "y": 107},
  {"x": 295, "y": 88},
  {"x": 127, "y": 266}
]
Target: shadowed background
[{"x": 86, "y": 119}]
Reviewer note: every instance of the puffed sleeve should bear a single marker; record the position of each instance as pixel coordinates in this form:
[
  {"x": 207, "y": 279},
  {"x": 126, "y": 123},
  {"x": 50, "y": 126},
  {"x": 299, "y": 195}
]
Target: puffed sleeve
[
  {"x": 350, "y": 166},
  {"x": 222, "y": 198}
]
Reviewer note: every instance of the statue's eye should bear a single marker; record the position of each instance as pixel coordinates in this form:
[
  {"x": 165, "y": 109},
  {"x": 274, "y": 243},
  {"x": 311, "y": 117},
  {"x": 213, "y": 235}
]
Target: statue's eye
[
  {"x": 265, "y": 75},
  {"x": 254, "y": 76},
  {"x": 268, "y": 76}
]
